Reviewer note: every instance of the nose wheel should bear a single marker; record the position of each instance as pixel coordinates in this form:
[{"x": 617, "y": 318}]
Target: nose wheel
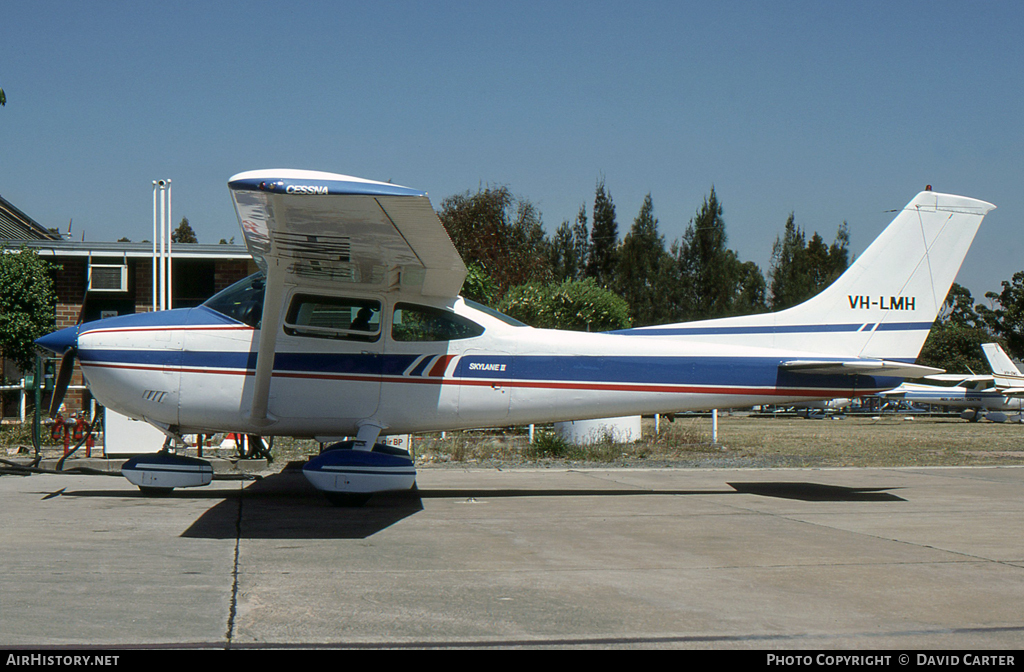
[{"x": 159, "y": 473}]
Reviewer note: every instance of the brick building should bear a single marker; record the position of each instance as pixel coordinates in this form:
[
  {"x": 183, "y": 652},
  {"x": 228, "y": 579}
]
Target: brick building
[{"x": 95, "y": 280}]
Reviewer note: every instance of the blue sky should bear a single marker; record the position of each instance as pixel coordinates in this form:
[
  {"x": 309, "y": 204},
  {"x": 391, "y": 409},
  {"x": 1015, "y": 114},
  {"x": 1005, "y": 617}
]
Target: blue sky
[{"x": 833, "y": 111}]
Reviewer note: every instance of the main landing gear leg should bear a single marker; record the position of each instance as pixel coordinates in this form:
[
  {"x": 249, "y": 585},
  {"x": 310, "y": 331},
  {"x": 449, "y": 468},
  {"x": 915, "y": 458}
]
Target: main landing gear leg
[{"x": 368, "y": 434}]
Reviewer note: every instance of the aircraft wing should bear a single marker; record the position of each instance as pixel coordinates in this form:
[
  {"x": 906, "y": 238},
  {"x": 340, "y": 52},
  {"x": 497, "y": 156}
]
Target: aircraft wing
[
  {"x": 323, "y": 228},
  {"x": 314, "y": 229},
  {"x": 866, "y": 367}
]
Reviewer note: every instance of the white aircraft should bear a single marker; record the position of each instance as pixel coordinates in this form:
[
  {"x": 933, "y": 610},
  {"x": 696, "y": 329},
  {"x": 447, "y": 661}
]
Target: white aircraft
[
  {"x": 988, "y": 396},
  {"x": 354, "y": 328},
  {"x": 974, "y": 398},
  {"x": 1006, "y": 377}
]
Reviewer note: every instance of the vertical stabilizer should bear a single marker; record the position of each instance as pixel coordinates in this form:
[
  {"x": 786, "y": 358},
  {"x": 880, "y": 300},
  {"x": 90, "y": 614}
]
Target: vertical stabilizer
[
  {"x": 1000, "y": 362},
  {"x": 883, "y": 305}
]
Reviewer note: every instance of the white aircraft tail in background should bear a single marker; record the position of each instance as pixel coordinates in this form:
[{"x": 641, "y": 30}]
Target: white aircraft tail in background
[
  {"x": 1007, "y": 378},
  {"x": 1000, "y": 362}
]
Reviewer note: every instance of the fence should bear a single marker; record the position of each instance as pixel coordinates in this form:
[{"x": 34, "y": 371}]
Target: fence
[{"x": 25, "y": 392}]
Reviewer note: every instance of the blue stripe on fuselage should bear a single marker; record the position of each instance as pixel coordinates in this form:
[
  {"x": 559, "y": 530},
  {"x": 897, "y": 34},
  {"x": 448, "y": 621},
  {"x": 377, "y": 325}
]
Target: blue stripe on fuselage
[
  {"x": 769, "y": 329},
  {"x": 731, "y": 372}
]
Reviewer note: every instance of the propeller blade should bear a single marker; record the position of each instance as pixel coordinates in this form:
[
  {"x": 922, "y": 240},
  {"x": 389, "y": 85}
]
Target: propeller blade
[{"x": 60, "y": 388}]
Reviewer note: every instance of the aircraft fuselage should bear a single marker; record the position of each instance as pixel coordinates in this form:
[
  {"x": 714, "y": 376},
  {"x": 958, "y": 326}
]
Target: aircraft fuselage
[{"x": 192, "y": 369}]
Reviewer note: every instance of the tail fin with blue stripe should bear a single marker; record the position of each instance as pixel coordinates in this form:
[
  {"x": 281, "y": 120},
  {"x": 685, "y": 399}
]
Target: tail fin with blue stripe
[{"x": 882, "y": 306}]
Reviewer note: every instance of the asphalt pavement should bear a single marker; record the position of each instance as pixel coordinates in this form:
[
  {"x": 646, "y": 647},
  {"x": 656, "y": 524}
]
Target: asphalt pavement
[{"x": 879, "y": 559}]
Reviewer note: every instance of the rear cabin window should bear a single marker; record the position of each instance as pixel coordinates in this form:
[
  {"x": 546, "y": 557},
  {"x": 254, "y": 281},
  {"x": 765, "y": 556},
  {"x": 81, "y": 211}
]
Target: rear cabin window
[
  {"x": 423, "y": 323},
  {"x": 333, "y": 317}
]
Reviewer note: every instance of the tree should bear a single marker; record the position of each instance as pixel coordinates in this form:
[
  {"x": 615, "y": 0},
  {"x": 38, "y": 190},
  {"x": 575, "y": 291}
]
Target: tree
[
  {"x": 958, "y": 309},
  {"x": 799, "y": 270},
  {"x": 751, "y": 290},
  {"x": 604, "y": 238},
  {"x": 642, "y": 268},
  {"x": 955, "y": 349},
  {"x": 954, "y": 342},
  {"x": 500, "y": 233},
  {"x": 577, "y": 305},
  {"x": 570, "y": 248},
  {"x": 27, "y": 304},
  {"x": 3, "y": 98},
  {"x": 1007, "y": 320},
  {"x": 478, "y": 286},
  {"x": 709, "y": 272},
  {"x": 184, "y": 233}
]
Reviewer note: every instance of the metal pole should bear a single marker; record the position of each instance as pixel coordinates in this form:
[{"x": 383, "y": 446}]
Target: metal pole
[
  {"x": 163, "y": 247},
  {"x": 170, "y": 265},
  {"x": 714, "y": 425},
  {"x": 154, "y": 247}
]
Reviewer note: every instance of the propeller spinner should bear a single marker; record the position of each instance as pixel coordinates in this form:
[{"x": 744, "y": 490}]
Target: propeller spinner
[{"x": 65, "y": 343}]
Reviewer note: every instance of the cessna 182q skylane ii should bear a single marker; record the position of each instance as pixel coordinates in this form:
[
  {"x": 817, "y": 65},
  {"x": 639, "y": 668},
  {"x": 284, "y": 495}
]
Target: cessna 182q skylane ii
[{"x": 354, "y": 327}]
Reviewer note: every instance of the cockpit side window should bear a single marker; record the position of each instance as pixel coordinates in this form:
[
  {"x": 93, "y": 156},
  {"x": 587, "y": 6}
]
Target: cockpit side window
[
  {"x": 424, "y": 323},
  {"x": 333, "y": 317},
  {"x": 242, "y": 301}
]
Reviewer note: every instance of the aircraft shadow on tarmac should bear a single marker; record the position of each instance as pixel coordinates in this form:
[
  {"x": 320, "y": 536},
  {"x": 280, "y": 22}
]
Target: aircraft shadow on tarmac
[
  {"x": 817, "y": 492},
  {"x": 286, "y": 506}
]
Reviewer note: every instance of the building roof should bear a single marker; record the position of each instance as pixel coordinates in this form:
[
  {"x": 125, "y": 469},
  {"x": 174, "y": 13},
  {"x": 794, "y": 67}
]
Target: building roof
[
  {"x": 18, "y": 229},
  {"x": 68, "y": 248},
  {"x": 16, "y": 225}
]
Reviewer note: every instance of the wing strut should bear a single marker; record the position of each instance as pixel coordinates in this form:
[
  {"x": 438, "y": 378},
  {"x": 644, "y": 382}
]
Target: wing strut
[{"x": 272, "y": 302}]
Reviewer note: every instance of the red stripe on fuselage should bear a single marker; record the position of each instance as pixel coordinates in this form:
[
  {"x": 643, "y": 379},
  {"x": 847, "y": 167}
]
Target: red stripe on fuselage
[{"x": 433, "y": 379}]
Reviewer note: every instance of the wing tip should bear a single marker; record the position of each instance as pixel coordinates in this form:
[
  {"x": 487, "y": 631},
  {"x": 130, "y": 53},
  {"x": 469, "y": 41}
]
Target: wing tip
[{"x": 316, "y": 183}]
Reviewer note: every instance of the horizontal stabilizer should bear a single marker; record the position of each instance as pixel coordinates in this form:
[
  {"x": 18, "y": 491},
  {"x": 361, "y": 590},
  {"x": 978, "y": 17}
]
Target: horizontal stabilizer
[
  {"x": 1006, "y": 383},
  {"x": 860, "y": 367},
  {"x": 961, "y": 378}
]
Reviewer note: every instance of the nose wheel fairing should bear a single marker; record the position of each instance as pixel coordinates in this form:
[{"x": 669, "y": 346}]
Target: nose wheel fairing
[{"x": 164, "y": 472}]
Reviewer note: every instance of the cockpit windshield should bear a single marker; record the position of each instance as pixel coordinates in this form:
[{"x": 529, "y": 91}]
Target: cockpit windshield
[{"x": 242, "y": 301}]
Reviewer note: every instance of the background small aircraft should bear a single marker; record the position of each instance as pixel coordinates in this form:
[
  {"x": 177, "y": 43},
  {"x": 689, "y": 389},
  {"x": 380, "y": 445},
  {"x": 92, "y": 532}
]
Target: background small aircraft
[
  {"x": 354, "y": 328},
  {"x": 990, "y": 396}
]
